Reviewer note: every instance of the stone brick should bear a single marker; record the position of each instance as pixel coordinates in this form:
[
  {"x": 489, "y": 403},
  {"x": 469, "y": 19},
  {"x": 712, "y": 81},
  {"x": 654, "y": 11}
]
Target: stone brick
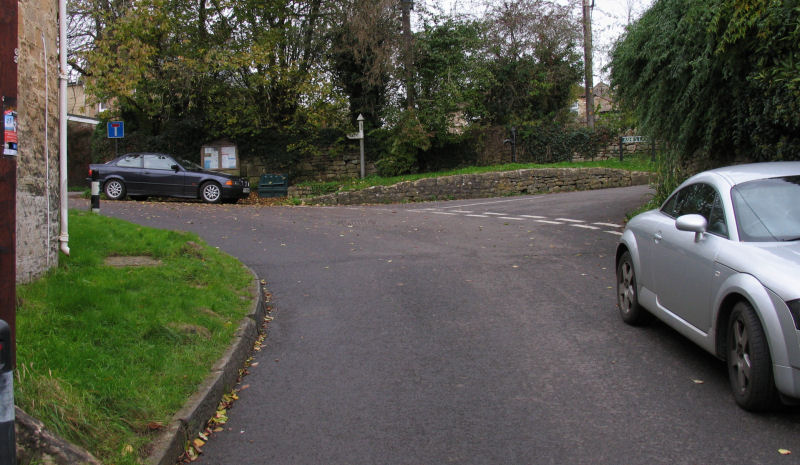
[{"x": 37, "y": 163}]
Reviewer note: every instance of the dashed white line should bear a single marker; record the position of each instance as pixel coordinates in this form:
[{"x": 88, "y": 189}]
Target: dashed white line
[
  {"x": 616, "y": 233},
  {"x": 584, "y": 226},
  {"x": 461, "y": 211},
  {"x": 478, "y": 216},
  {"x": 610, "y": 225},
  {"x": 511, "y": 218},
  {"x": 534, "y": 217},
  {"x": 569, "y": 220},
  {"x": 444, "y": 213},
  {"x": 494, "y": 214},
  {"x": 548, "y": 222}
]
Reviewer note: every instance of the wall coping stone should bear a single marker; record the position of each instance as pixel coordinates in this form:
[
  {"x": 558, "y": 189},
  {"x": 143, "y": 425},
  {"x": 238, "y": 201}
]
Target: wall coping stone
[{"x": 481, "y": 185}]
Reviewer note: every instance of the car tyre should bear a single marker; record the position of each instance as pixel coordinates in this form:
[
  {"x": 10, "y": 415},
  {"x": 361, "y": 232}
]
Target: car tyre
[
  {"x": 749, "y": 361},
  {"x": 211, "y": 192},
  {"x": 627, "y": 293},
  {"x": 114, "y": 189}
]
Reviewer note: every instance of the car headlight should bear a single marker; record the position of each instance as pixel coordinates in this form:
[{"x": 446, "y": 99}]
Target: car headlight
[{"x": 794, "y": 309}]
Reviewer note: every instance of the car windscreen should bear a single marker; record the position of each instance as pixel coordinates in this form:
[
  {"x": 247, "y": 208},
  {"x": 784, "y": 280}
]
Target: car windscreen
[
  {"x": 768, "y": 210},
  {"x": 190, "y": 165}
]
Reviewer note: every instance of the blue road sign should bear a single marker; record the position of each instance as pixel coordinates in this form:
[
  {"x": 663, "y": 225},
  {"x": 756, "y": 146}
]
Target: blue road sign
[{"x": 116, "y": 129}]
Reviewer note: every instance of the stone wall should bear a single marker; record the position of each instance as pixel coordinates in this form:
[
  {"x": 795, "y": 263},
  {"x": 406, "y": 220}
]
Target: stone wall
[
  {"x": 37, "y": 163},
  {"x": 319, "y": 168},
  {"x": 485, "y": 185}
]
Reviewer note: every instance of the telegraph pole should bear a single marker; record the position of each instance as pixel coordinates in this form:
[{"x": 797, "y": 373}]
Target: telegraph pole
[
  {"x": 408, "y": 55},
  {"x": 9, "y": 55},
  {"x": 587, "y": 60}
]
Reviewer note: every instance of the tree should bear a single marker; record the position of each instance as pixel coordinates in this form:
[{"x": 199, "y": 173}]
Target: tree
[
  {"x": 716, "y": 80},
  {"x": 533, "y": 52},
  {"x": 451, "y": 71}
]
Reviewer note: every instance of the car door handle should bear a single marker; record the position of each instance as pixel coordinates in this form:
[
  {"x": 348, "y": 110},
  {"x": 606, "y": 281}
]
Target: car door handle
[{"x": 657, "y": 237}]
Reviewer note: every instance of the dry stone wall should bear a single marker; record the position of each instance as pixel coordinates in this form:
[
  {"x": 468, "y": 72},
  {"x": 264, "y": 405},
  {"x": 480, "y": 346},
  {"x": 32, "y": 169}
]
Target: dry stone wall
[
  {"x": 467, "y": 186},
  {"x": 37, "y": 163}
]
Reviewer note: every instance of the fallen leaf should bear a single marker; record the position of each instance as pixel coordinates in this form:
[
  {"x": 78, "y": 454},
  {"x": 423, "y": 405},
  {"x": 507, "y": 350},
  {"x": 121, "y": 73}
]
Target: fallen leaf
[
  {"x": 198, "y": 443},
  {"x": 155, "y": 425},
  {"x": 784, "y": 451},
  {"x": 698, "y": 381}
]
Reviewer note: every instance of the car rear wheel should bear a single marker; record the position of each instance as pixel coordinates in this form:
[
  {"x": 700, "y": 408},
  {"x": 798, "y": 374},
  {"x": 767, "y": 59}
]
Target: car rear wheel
[
  {"x": 627, "y": 298},
  {"x": 210, "y": 192},
  {"x": 749, "y": 361},
  {"x": 114, "y": 189}
]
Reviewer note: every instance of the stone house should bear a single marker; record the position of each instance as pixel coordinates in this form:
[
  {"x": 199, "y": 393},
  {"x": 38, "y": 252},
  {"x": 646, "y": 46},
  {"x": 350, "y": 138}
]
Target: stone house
[
  {"x": 603, "y": 102},
  {"x": 37, "y": 161}
]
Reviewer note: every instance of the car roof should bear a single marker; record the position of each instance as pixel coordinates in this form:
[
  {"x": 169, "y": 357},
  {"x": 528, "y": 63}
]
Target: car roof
[{"x": 737, "y": 174}]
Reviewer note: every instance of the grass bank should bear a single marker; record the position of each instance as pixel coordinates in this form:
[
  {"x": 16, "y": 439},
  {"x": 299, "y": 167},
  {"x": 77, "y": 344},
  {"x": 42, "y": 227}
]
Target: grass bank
[
  {"x": 106, "y": 355},
  {"x": 630, "y": 163}
]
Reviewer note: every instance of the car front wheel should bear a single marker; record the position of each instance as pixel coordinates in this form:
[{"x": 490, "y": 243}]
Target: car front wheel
[
  {"x": 210, "y": 192},
  {"x": 114, "y": 189},
  {"x": 749, "y": 361},
  {"x": 627, "y": 298}
]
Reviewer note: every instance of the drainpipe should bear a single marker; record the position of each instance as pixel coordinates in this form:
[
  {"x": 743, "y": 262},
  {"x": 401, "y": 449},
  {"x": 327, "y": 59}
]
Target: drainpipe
[{"x": 62, "y": 121}]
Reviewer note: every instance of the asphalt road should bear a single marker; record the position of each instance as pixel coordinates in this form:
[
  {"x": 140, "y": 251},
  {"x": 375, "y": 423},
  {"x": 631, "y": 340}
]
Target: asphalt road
[{"x": 470, "y": 332}]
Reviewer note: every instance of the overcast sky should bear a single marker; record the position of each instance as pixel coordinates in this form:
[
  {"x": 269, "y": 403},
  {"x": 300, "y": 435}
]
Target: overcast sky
[{"x": 609, "y": 18}]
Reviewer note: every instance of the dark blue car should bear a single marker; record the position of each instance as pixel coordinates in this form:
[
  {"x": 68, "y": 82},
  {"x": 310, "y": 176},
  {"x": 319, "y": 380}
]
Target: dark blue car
[{"x": 140, "y": 175}]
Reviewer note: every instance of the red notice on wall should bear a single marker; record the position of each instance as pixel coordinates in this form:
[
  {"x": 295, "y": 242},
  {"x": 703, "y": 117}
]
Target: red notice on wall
[{"x": 10, "y": 140}]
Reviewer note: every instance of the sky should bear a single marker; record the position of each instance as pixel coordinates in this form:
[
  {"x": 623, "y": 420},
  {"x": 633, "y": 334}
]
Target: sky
[{"x": 609, "y": 18}]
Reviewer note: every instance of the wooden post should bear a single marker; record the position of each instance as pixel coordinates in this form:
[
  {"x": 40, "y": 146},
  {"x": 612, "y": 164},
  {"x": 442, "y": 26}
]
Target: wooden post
[{"x": 9, "y": 55}]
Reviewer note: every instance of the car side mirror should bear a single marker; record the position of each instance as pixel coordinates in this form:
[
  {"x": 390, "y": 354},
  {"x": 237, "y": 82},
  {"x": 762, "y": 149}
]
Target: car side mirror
[
  {"x": 176, "y": 168},
  {"x": 692, "y": 223}
]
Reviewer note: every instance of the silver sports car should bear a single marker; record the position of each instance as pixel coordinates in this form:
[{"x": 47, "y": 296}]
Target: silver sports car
[{"x": 720, "y": 263}]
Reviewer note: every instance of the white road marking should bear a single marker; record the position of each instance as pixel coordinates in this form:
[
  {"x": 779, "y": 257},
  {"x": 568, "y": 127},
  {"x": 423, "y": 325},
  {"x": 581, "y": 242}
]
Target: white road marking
[
  {"x": 518, "y": 199},
  {"x": 539, "y": 219}
]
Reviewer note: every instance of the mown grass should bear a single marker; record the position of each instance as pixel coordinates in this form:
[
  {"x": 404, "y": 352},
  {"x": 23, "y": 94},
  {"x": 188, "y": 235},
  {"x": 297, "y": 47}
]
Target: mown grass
[
  {"x": 106, "y": 355},
  {"x": 630, "y": 163}
]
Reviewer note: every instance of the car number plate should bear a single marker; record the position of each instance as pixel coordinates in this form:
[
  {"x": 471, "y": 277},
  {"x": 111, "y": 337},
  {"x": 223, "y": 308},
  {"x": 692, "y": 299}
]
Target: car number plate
[{"x": 246, "y": 190}]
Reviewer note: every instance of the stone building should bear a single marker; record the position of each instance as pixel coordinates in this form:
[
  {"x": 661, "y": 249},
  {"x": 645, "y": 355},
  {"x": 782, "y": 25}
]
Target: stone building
[
  {"x": 603, "y": 102},
  {"x": 37, "y": 161}
]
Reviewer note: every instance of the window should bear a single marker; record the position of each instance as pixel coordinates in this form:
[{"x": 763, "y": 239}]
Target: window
[
  {"x": 699, "y": 199},
  {"x": 768, "y": 209},
  {"x": 158, "y": 162},
  {"x": 133, "y": 160}
]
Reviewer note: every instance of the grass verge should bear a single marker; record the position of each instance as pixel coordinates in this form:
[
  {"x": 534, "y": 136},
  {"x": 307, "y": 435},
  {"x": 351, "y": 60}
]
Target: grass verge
[
  {"x": 106, "y": 355},
  {"x": 631, "y": 163}
]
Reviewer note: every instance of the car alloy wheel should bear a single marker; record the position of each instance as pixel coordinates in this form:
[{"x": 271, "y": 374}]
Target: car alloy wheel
[
  {"x": 114, "y": 189},
  {"x": 627, "y": 299},
  {"x": 749, "y": 361},
  {"x": 211, "y": 192}
]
